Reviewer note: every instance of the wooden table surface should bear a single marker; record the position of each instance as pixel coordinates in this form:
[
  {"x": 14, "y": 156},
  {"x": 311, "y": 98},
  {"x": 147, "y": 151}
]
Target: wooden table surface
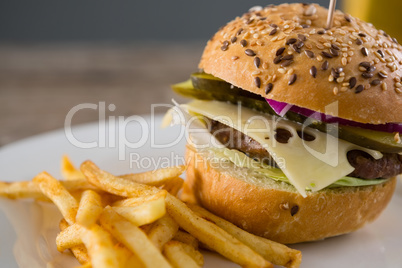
[{"x": 41, "y": 83}]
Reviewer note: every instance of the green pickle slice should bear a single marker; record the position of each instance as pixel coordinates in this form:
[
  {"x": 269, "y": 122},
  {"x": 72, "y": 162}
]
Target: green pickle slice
[{"x": 207, "y": 87}]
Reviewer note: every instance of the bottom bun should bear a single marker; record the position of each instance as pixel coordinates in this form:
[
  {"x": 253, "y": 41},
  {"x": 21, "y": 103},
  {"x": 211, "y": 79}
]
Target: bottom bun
[{"x": 276, "y": 211}]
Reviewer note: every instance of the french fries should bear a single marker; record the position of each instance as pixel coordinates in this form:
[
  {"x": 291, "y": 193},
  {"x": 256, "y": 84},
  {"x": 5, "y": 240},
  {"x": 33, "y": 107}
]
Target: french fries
[
  {"x": 213, "y": 236},
  {"x": 133, "y": 220},
  {"x": 59, "y": 195},
  {"x": 133, "y": 238},
  {"x": 80, "y": 251},
  {"x": 162, "y": 231},
  {"x": 178, "y": 256},
  {"x": 157, "y": 177},
  {"x": 69, "y": 171},
  {"x": 101, "y": 248},
  {"x": 89, "y": 209},
  {"x": 270, "y": 250}
]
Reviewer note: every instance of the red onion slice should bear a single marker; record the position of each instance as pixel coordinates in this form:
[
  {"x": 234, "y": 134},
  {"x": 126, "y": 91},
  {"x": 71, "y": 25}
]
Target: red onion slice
[{"x": 282, "y": 107}]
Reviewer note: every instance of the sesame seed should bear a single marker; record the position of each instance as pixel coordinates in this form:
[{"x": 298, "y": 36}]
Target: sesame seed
[
  {"x": 277, "y": 59},
  {"x": 367, "y": 75},
  {"x": 359, "y": 89},
  {"x": 330, "y": 78},
  {"x": 347, "y": 18},
  {"x": 375, "y": 82},
  {"x": 344, "y": 89},
  {"x": 249, "y": 52},
  {"x": 321, "y": 32},
  {"x": 327, "y": 44},
  {"x": 292, "y": 79},
  {"x": 362, "y": 35},
  {"x": 305, "y": 26},
  {"x": 256, "y": 36},
  {"x": 352, "y": 82},
  {"x": 364, "y": 51},
  {"x": 313, "y": 71},
  {"x": 311, "y": 10},
  {"x": 319, "y": 58},
  {"x": 288, "y": 57},
  {"x": 340, "y": 79},
  {"x": 286, "y": 63},
  {"x": 273, "y": 25},
  {"x": 225, "y": 46},
  {"x": 257, "y": 82},
  {"x": 335, "y": 90},
  {"x": 268, "y": 88},
  {"x": 326, "y": 54},
  {"x": 243, "y": 43},
  {"x": 309, "y": 54},
  {"x": 344, "y": 61},
  {"x": 334, "y": 52},
  {"x": 256, "y": 73},
  {"x": 233, "y": 40},
  {"x": 398, "y": 84},
  {"x": 265, "y": 65},
  {"x": 257, "y": 62},
  {"x": 384, "y": 86},
  {"x": 299, "y": 44},
  {"x": 291, "y": 41},
  {"x": 334, "y": 73},
  {"x": 235, "y": 58},
  {"x": 319, "y": 46},
  {"x": 398, "y": 90},
  {"x": 362, "y": 69},
  {"x": 282, "y": 71},
  {"x": 296, "y": 48},
  {"x": 274, "y": 30},
  {"x": 280, "y": 51},
  {"x": 380, "y": 53},
  {"x": 359, "y": 42},
  {"x": 325, "y": 66},
  {"x": 302, "y": 37},
  {"x": 239, "y": 31},
  {"x": 334, "y": 46}
]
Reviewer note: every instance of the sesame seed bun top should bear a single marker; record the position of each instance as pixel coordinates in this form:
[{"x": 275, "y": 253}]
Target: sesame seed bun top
[{"x": 285, "y": 53}]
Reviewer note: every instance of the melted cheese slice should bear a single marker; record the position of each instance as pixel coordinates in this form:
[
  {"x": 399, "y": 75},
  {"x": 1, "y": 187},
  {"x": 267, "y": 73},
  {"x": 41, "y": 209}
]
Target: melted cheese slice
[{"x": 308, "y": 164}]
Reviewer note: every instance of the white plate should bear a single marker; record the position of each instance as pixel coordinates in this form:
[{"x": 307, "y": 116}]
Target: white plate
[{"x": 27, "y": 229}]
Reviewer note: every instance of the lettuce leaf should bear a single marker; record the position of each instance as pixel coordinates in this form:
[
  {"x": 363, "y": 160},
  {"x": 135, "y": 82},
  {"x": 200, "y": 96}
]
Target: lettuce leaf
[{"x": 239, "y": 159}]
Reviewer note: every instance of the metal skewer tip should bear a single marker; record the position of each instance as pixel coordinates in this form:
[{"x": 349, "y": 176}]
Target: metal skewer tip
[{"x": 331, "y": 11}]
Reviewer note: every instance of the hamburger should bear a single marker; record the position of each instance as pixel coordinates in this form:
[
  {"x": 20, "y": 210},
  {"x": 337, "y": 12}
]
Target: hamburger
[{"x": 295, "y": 129}]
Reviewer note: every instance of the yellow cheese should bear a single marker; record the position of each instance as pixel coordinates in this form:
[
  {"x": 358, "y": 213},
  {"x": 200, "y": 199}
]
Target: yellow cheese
[{"x": 308, "y": 164}]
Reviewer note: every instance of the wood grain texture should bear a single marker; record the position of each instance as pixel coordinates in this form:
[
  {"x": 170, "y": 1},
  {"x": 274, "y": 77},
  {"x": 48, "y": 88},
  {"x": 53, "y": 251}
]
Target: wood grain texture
[{"x": 40, "y": 83}]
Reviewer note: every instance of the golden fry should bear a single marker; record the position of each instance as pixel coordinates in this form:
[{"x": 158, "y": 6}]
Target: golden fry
[
  {"x": 155, "y": 177},
  {"x": 59, "y": 195},
  {"x": 115, "y": 185},
  {"x": 100, "y": 248},
  {"x": 69, "y": 171},
  {"x": 186, "y": 238},
  {"x": 162, "y": 231},
  {"x": 136, "y": 201},
  {"x": 178, "y": 256},
  {"x": 69, "y": 237},
  {"x": 145, "y": 213},
  {"x": 80, "y": 252},
  {"x": 133, "y": 238},
  {"x": 213, "y": 236},
  {"x": 276, "y": 253},
  {"x": 89, "y": 209}
]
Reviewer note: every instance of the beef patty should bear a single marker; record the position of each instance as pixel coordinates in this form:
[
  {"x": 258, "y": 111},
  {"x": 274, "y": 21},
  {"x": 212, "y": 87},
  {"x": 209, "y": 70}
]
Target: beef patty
[{"x": 366, "y": 167}]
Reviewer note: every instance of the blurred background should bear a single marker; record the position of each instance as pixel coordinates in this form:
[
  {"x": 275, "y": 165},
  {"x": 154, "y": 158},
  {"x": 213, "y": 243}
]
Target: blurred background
[{"x": 55, "y": 55}]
